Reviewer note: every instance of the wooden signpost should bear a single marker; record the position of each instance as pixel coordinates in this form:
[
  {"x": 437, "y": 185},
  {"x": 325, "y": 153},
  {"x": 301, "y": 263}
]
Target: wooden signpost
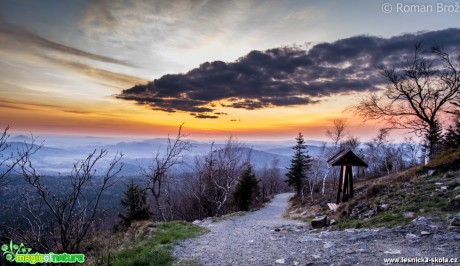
[{"x": 346, "y": 159}]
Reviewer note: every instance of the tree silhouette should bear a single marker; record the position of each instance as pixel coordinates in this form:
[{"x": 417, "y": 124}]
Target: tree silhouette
[
  {"x": 135, "y": 205},
  {"x": 9, "y": 160},
  {"x": 247, "y": 189},
  {"x": 426, "y": 85},
  {"x": 434, "y": 138},
  {"x": 300, "y": 166},
  {"x": 157, "y": 171},
  {"x": 452, "y": 136},
  {"x": 73, "y": 211}
]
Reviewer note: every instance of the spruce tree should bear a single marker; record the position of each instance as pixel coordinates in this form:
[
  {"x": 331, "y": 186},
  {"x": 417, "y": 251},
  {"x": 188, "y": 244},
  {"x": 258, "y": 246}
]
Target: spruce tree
[
  {"x": 247, "y": 189},
  {"x": 434, "y": 139},
  {"x": 135, "y": 205},
  {"x": 300, "y": 165},
  {"x": 452, "y": 136}
]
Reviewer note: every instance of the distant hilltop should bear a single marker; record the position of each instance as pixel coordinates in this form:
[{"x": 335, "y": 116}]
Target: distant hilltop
[{"x": 19, "y": 138}]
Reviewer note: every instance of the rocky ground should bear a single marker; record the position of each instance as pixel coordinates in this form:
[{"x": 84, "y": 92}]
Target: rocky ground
[{"x": 264, "y": 237}]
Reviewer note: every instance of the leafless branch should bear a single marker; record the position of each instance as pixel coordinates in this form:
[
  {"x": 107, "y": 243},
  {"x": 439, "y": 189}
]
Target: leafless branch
[
  {"x": 74, "y": 209},
  {"x": 10, "y": 159},
  {"x": 157, "y": 172},
  {"x": 426, "y": 85}
]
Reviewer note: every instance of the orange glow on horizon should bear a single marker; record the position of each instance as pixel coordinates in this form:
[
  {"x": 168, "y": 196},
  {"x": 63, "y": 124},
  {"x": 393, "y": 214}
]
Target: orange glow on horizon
[{"x": 124, "y": 119}]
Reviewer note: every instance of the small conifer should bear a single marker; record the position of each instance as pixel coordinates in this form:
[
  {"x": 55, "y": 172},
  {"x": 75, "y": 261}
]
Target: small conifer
[
  {"x": 300, "y": 166},
  {"x": 247, "y": 190},
  {"x": 135, "y": 205}
]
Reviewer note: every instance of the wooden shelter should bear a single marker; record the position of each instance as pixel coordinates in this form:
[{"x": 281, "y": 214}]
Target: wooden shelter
[{"x": 346, "y": 159}]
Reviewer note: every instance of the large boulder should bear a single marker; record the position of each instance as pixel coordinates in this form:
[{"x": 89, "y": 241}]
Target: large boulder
[{"x": 319, "y": 221}]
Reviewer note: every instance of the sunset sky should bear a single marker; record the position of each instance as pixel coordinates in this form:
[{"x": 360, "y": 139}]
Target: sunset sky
[{"x": 254, "y": 69}]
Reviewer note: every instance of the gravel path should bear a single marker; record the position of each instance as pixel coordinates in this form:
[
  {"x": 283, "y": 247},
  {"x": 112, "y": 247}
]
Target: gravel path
[{"x": 265, "y": 238}]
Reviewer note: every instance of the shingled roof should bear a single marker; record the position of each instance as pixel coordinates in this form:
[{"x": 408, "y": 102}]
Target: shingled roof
[{"x": 346, "y": 157}]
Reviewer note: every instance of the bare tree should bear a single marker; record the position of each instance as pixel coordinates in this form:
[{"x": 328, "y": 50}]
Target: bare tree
[
  {"x": 159, "y": 171},
  {"x": 180, "y": 200},
  {"x": 230, "y": 162},
  {"x": 318, "y": 171},
  {"x": 351, "y": 143},
  {"x": 426, "y": 85},
  {"x": 10, "y": 159},
  {"x": 338, "y": 131},
  {"x": 383, "y": 156},
  {"x": 323, "y": 157},
  {"x": 456, "y": 109},
  {"x": 218, "y": 173},
  {"x": 411, "y": 150},
  {"x": 383, "y": 149},
  {"x": 272, "y": 181},
  {"x": 7, "y": 162},
  {"x": 201, "y": 187},
  {"x": 61, "y": 219}
]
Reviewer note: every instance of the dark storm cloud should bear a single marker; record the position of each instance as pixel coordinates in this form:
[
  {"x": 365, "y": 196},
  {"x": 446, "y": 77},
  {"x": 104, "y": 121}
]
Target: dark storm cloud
[{"x": 284, "y": 76}]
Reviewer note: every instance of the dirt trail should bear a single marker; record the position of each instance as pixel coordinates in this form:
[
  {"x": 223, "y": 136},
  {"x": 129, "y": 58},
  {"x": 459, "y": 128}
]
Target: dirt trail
[{"x": 264, "y": 237}]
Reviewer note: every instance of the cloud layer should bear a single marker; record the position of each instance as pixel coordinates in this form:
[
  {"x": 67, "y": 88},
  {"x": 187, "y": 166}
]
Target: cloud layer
[
  {"x": 14, "y": 36},
  {"x": 23, "y": 41},
  {"x": 283, "y": 76}
]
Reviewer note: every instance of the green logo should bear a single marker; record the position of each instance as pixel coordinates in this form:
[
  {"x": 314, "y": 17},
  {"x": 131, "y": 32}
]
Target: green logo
[{"x": 21, "y": 254}]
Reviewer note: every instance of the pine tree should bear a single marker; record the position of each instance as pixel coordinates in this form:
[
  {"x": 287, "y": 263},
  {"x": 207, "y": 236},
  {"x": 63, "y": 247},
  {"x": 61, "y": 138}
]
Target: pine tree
[
  {"x": 135, "y": 205},
  {"x": 452, "y": 136},
  {"x": 434, "y": 139},
  {"x": 247, "y": 189},
  {"x": 300, "y": 165}
]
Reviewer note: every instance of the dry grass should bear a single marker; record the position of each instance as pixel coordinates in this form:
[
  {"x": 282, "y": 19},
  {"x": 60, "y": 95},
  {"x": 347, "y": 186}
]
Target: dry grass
[
  {"x": 144, "y": 243},
  {"x": 445, "y": 160},
  {"x": 412, "y": 190}
]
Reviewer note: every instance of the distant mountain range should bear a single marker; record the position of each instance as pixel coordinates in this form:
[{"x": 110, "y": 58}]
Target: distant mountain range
[{"x": 51, "y": 159}]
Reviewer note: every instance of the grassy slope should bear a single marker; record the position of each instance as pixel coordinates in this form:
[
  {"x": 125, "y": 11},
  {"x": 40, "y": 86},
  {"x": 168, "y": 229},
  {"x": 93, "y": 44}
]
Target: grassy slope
[
  {"x": 384, "y": 201},
  {"x": 145, "y": 243}
]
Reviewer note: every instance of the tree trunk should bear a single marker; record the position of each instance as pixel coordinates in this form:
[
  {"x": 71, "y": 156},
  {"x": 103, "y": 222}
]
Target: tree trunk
[{"x": 157, "y": 202}]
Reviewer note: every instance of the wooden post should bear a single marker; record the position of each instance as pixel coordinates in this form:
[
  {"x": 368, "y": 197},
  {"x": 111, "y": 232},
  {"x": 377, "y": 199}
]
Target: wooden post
[
  {"x": 351, "y": 181},
  {"x": 345, "y": 185},
  {"x": 346, "y": 160},
  {"x": 340, "y": 184}
]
